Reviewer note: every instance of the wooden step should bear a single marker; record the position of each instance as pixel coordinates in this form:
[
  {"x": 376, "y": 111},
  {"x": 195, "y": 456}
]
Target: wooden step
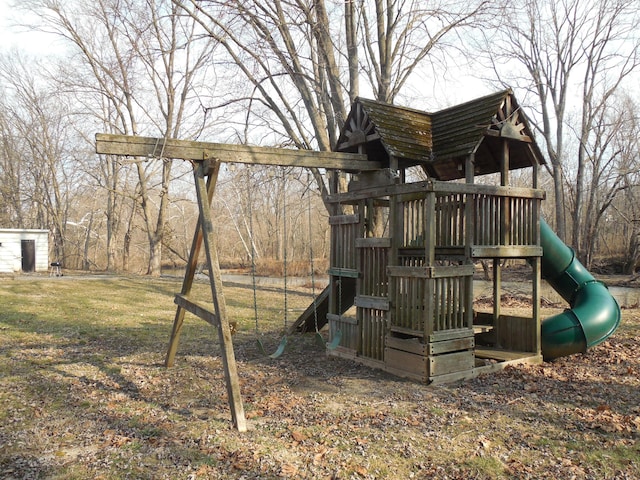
[{"x": 501, "y": 355}]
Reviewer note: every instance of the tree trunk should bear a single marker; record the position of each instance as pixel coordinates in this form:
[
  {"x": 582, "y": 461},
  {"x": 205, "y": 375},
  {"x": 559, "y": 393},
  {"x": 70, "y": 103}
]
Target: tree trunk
[
  {"x": 87, "y": 243},
  {"x": 558, "y": 190},
  {"x": 633, "y": 257}
]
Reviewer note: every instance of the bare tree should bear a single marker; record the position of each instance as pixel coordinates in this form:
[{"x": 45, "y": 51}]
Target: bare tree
[
  {"x": 628, "y": 144},
  {"x": 611, "y": 56},
  {"x": 138, "y": 56},
  {"x": 606, "y": 171},
  {"x": 558, "y": 49},
  {"x": 41, "y": 142},
  {"x": 11, "y": 205},
  {"x": 302, "y": 65}
]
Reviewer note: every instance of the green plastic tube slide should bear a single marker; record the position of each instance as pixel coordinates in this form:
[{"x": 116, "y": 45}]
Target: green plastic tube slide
[{"x": 593, "y": 314}]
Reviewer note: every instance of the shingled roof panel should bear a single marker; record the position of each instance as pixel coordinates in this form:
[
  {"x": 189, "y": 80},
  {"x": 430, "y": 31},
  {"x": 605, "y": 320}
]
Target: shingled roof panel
[{"x": 441, "y": 141}]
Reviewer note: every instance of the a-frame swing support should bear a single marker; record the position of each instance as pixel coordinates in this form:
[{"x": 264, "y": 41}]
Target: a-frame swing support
[{"x": 206, "y": 159}]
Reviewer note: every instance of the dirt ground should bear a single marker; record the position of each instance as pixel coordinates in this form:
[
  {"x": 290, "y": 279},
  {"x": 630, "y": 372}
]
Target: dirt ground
[{"x": 86, "y": 395}]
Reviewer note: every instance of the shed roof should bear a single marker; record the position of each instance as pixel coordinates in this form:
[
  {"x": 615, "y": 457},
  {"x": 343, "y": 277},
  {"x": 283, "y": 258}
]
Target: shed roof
[{"x": 440, "y": 142}]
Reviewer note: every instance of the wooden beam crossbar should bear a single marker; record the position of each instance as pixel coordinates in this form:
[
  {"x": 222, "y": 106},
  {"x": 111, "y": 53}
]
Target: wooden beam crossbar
[
  {"x": 136, "y": 146},
  {"x": 198, "y": 309}
]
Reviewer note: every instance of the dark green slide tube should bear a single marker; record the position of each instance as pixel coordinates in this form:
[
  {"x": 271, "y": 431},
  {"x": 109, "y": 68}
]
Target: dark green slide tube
[{"x": 594, "y": 314}]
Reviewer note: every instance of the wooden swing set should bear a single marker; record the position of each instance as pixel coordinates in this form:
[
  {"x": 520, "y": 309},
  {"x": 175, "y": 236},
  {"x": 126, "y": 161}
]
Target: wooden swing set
[
  {"x": 411, "y": 286},
  {"x": 206, "y": 159}
]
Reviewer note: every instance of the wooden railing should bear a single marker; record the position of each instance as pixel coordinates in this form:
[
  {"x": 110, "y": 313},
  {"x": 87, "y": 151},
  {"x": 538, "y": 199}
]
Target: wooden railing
[
  {"x": 504, "y": 220},
  {"x": 430, "y": 299},
  {"x": 372, "y": 300},
  {"x": 498, "y": 216},
  {"x": 344, "y": 231},
  {"x": 449, "y": 219},
  {"x": 374, "y": 258}
]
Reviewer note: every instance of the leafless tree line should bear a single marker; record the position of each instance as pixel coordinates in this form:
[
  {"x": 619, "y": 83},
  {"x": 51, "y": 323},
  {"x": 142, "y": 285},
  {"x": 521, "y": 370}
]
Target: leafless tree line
[{"x": 284, "y": 74}]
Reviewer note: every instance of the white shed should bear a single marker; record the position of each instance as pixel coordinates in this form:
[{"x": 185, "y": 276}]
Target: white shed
[{"x": 24, "y": 250}]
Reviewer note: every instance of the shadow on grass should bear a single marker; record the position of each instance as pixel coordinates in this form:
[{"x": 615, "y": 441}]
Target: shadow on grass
[{"x": 92, "y": 357}]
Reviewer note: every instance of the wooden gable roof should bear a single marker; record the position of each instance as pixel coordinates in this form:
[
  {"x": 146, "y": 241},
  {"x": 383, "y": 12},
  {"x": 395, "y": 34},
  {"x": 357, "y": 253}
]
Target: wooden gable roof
[
  {"x": 385, "y": 130},
  {"x": 440, "y": 142}
]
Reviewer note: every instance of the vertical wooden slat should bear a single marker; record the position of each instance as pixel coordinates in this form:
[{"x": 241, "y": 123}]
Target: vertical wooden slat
[
  {"x": 450, "y": 303},
  {"x": 423, "y": 296}
]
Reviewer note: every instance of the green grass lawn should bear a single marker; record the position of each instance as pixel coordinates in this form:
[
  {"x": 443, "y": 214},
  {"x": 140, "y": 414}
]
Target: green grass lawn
[{"x": 84, "y": 394}]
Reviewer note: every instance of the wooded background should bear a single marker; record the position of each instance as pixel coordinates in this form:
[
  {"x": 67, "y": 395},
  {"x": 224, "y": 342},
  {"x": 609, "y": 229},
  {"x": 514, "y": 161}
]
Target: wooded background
[{"x": 284, "y": 73}]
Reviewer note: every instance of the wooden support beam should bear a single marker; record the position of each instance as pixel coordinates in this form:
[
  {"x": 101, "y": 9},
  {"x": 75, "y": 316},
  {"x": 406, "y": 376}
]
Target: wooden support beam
[
  {"x": 219, "y": 306},
  {"x": 505, "y": 251},
  {"x": 136, "y": 146},
  {"x": 198, "y": 309},
  {"x": 420, "y": 189},
  {"x": 189, "y": 275}
]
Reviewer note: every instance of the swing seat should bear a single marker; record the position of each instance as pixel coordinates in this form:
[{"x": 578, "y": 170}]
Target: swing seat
[
  {"x": 279, "y": 351},
  {"x": 335, "y": 342}
]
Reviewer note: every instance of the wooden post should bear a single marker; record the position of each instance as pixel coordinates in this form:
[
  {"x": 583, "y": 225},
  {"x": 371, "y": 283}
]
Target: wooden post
[
  {"x": 215, "y": 277},
  {"x": 505, "y": 222},
  {"x": 187, "y": 283},
  {"x": 470, "y": 220},
  {"x": 536, "y": 266}
]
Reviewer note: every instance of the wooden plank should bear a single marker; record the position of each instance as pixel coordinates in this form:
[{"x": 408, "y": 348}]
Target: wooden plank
[
  {"x": 501, "y": 251},
  {"x": 344, "y": 272},
  {"x": 431, "y": 272},
  {"x": 451, "y": 362},
  {"x": 437, "y": 348},
  {"x": 451, "y": 271},
  {"x": 453, "y": 377},
  {"x": 416, "y": 190},
  {"x": 501, "y": 355},
  {"x": 411, "y": 345},
  {"x": 198, "y": 309},
  {"x": 137, "y": 146},
  {"x": 450, "y": 334},
  {"x": 374, "y": 242},
  {"x": 344, "y": 219},
  {"x": 405, "y": 361},
  {"x": 349, "y": 198},
  {"x": 407, "y": 272},
  {"x": 493, "y": 190},
  {"x": 224, "y": 331},
  {"x": 516, "y": 333},
  {"x": 377, "y": 303}
]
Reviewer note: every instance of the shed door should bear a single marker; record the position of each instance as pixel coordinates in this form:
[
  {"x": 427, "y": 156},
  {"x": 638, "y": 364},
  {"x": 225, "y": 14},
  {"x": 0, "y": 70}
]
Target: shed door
[{"x": 28, "y": 255}]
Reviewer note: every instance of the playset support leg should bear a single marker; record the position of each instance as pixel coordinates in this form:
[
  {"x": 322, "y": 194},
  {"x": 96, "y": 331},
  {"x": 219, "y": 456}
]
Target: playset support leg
[
  {"x": 205, "y": 233},
  {"x": 188, "y": 280}
]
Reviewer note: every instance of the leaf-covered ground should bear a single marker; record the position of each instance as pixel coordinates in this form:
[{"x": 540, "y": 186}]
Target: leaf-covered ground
[{"x": 84, "y": 394}]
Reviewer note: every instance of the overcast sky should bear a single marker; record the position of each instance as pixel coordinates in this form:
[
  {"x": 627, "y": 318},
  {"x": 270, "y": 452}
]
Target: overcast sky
[
  {"x": 434, "y": 93},
  {"x": 11, "y": 36}
]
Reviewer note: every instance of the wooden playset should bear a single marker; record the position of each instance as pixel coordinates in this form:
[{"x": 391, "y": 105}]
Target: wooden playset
[
  {"x": 399, "y": 298},
  {"x": 412, "y": 287}
]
